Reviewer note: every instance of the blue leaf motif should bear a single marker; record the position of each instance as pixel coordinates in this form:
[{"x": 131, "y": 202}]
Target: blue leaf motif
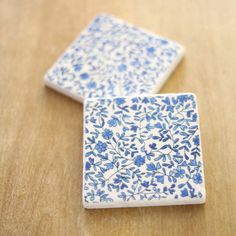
[
  {"x": 160, "y": 179},
  {"x": 184, "y": 192}
]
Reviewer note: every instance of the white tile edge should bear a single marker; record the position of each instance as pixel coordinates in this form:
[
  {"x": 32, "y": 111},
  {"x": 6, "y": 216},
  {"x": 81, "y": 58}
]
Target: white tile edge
[
  {"x": 144, "y": 203},
  {"x": 140, "y": 95},
  {"x": 62, "y": 91}
]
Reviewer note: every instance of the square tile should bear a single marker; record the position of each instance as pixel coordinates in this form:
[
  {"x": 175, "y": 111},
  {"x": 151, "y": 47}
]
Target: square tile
[
  {"x": 112, "y": 58},
  {"x": 142, "y": 151}
]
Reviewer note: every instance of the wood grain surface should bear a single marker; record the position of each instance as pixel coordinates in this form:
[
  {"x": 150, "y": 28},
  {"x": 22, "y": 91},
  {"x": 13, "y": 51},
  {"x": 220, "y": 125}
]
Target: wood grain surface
[{"x": 41, "y": 130}]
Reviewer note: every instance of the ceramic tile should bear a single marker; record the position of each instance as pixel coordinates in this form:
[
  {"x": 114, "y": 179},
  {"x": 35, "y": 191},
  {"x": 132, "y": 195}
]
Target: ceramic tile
[
  {"x": 112, "y": 58},
  {"x": 142, "y": 151}
]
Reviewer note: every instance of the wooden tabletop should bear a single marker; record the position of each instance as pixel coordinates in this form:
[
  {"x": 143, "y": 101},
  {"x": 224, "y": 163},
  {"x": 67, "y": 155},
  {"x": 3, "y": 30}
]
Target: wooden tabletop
[{"x": 41, "y": 130}]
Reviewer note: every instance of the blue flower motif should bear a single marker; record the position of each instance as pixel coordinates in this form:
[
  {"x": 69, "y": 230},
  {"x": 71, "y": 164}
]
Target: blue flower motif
[
  {"x": 184, "y": 192},
  {"x": 145, "y": 184},
  {"x": 183, "y": 98},
  {"x": 125, "y": 129},
  {"x": 179, "y": 172},
  {"x": 113, "y": 122},
  {"x": 134, "y": 107},
  {"x": 145, "y": 100},
  {"x": 84, "y": 76},
  {"x": 134, "y": 100},
  {"x": 122, "y": 67},
  {"x": 117, "y": 180},
  {"x": 119, "y": 101},
  {"x": 196, "y": 140},
  {"x": 152, "y": 100},
  {"x": 93, "y": 120},
  {"x": 151, "y": 50},
  {"x": 77, "y": 67},
  {"x": 134, "y": 128},
  {"x": 170, "y": 108},
  {"x": 164, "y": 41},
  {"x": 107, "y": 134},
  {"x": 153, "y": 146},
  {"x": 139, "y": 160},
  {"x": 101, "y": 147},
  {"x": 91, "y": 85},
  {"x": 158, "y": 125},
  {"x": 197, "y": 178},
  {"x": 160, "y": 179},
  {"x": 87, "y": 166},
  {"x": 151, "y": 167},
  {"x": 136, "y": 63}
]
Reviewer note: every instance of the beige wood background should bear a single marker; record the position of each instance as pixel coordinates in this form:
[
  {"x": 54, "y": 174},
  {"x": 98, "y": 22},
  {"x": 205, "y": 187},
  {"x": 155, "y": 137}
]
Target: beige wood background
[{"x": 41, "y": 130}]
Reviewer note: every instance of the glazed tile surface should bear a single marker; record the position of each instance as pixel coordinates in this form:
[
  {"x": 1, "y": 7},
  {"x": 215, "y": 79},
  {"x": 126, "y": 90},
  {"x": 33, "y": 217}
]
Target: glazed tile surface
[
  {"x": 112, "y": 58},
  {"x": 142, "y": 151}
]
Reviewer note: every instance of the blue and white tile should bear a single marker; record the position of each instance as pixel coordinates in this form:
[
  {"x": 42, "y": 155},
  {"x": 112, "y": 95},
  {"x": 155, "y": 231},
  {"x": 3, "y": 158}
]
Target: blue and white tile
[
  {"x": 112, "y": 58},
  {"x": 142, "y": 151}
]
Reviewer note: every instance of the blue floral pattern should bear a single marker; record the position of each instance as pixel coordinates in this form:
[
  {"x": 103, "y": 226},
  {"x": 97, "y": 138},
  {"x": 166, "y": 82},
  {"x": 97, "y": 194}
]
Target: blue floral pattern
[
  {"x": 112, "y": 58},
  {"x": 144, "y": 148}
]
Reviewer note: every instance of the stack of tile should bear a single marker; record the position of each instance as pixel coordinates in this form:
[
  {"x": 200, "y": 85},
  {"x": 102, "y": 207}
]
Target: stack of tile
[{"x": 140, "y": 149}]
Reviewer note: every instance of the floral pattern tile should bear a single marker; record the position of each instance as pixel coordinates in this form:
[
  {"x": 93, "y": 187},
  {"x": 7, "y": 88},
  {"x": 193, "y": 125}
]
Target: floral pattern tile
[
  {"x": 112, "y": 58},
  {"x": 142, "y": 151}
]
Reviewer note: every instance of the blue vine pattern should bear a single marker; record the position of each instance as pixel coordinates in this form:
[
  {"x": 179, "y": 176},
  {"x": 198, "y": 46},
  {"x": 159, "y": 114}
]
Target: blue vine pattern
[
  {"x": 112, "y": 58},
  {"x": 142, "y": 148}
]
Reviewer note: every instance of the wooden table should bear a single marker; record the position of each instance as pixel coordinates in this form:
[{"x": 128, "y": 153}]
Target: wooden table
[{"x": 41, "y": 130}]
